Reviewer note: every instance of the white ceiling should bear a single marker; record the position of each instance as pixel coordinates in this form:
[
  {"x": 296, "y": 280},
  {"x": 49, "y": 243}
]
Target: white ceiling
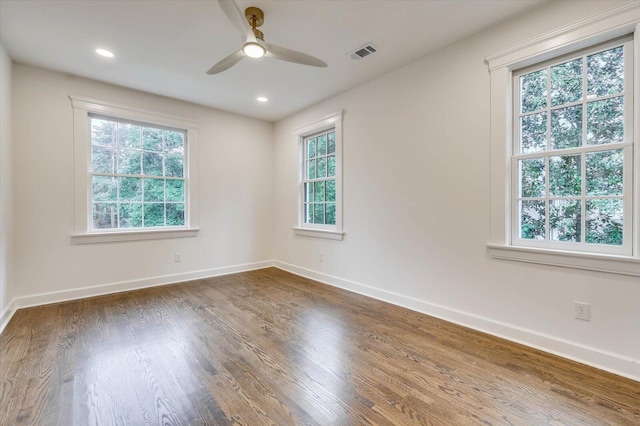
[{"x": 165, "y": 47}]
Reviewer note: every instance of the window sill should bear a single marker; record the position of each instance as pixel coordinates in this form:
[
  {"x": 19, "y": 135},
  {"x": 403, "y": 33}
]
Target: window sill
[
  {"x": 112, "y": 237},
  {"x": 319, "y": 233},
  {"x": 613, "y": 264}
]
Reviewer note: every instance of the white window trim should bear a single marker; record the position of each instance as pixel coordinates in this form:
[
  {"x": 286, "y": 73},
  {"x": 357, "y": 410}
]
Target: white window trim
[
  {"x": 332, "y": 232},
  {"x": 82, "y": 232},
  {"x": 615, "y": 22}
]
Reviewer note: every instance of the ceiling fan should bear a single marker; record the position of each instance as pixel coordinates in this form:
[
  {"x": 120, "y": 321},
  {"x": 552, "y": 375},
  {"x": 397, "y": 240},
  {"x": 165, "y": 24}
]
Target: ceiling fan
[{"x": 254, "y": 45}]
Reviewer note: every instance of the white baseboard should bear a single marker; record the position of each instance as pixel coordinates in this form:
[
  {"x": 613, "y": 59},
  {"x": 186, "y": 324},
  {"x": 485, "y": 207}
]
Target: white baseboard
[
  {"x": 594, "y": 357},
  {"x": 7, "y": 314},
  {"x": 118, "y": 287}
]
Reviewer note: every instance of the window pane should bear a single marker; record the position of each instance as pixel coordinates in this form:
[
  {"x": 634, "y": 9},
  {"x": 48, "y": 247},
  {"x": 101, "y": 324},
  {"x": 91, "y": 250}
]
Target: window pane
[
  {"x": 175, "y": 190},
  {"x": 174, "y": 142},
  {"x": 154, "y": 214},
  {"x": 330, "y": 193},
  {"x": 104, "y": 188},
  {"x": 105, "y": 215},
  {"x": 330, "y": 218},
  {"x": 604, "y": 172},
  {"x": 175, "y": 214},
  {"x": 311, "y": 147},
  {"x": 565, "y": 176},
  {"x": 130, "y": 189},
  {"x": 532, "y": 177},
  {"x": 331, "y": 143},
  {"x": 532, "y": 220},
  {"x": 102, "y": 160},
  {"x": 604, "y": 222},
  {"x": 319, "y": 191},
  {"x": 151, "y": 164},
  {"x": 311, "y": 169},
  {"x": 130, "y": 215},
  {"x": 173, "y": 165},
  {"x": 564, "y": 220},
  {"x": 153, "y": 190},
  {"x": 322, "y": 145},
  {"x": 128, "y": 136},
  {"x": 533, "y": 133},
  {"x": 308, "y": 192},
  {"x": 331, "y": 166},
  {"x": 321, "y": 170},
  {"x": 533, "y": 91},
  {"x": 605, "y": 121},
  {"x": 308, "y": 213},
  {"x": 151, "y": 139},
  {"x": 566, "y": 82},
  {"x": 318, "y": 213},
  {"x": 129, "y": 162},
  {"x": 566, "y": 127},
  {"x": 605, "y": 73},
  {"x": 103, "y": 132}
]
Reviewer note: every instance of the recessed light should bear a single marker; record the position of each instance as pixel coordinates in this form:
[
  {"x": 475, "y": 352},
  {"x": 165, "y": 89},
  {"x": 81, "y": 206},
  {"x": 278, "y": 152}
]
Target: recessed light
[
  {"x": 105, "y": 53},
  {"x": 262, "y": 99}
]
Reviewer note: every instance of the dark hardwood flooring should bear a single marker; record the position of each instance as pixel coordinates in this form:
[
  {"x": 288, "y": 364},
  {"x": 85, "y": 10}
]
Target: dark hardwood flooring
[{"x": 271, "y": 348}]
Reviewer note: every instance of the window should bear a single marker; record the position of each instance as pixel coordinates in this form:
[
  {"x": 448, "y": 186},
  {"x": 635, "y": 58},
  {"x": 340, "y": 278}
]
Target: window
[
  {"x": 319, "y": 179},
  {"x": 137, "y": 175},
  {"x": 320, "y": 206},
  {"x": 573, "y": 138},
  {"x": 133, "y": 174},
  {"x": 565, "y": 160}
]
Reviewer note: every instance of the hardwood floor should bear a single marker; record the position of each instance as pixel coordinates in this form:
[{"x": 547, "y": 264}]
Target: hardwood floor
[{"x": 271, "y": 348}]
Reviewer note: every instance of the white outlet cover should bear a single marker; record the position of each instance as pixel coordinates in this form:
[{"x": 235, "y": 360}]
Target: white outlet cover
[{"x": 583, "y": 311}]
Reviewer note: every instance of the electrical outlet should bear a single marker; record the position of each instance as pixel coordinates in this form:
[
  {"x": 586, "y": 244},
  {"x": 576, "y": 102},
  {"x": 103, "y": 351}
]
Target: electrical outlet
[
  {"x": 177, "y": 258},
  {"x": 321, "y": 257},
  {"x": 583, "y": 311}
]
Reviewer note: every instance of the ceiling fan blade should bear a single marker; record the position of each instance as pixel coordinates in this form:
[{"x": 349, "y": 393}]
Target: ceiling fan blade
[
  {"x": 237, "y": 18},
  {"x": 227, "y": 62},
  {"x": 294, "y": 56}
]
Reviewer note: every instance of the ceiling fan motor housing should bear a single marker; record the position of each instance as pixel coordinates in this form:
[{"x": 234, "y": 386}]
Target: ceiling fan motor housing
[{"x": 255, "y": 16}]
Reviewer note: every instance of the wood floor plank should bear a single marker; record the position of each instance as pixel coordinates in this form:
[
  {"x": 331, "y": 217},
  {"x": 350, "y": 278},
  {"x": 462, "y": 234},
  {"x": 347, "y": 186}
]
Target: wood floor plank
[{"x": 270, "y": 348}]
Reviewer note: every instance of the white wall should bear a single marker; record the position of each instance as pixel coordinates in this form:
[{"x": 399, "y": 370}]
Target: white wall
[
  {"x": 5, "y": 184},
  {"x": 235, "y": 197},
  {"x": 416, "y": 208}
]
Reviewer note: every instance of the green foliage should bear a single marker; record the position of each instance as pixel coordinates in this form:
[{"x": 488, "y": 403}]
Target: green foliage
[
  {"x": 103, "y": 132},
  {"x": 129, "y": 162},
  {"x": 533, "y": 178},
  {"x": 128, "y": 136},
  {"x": 566, "y": 127},
  {"x": 102, "y": 159},
  {"x": 532, "y": 219},
  {"x": 533, "y": 91},
  {"x": 151, "y": 164},
  {"x": 604, "y": 221},
  {"x": 148, "y": 156},
  {"x": 563, "y": 195},
  {"x": 604, "y": 173},
  {"x": 174, "y": 165},
  {"x": 605, "y": 121},
  {"x": 533, "y": 133},
  {"x": 566, "y": 82},
  {"x": 605, "y": 73},
  {"x": 565, "y": 176},
  {"x": 565, "y": 220},
  {"x": 130, "y": 189},
  {"x": 320, "y": 196}
]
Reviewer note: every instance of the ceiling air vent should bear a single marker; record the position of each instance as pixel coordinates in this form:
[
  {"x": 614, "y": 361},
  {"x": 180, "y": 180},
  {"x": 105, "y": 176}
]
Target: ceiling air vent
[{"x": 362, "y": 51}]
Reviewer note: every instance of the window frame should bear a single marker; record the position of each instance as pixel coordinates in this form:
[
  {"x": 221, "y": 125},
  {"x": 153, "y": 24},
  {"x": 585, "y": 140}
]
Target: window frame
[
  {"x": 84, "y": 110},
  {"x": 325, "y": 124},
  {"x": 608, "y": 25},
  {"x": 626, "y": 146}
]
